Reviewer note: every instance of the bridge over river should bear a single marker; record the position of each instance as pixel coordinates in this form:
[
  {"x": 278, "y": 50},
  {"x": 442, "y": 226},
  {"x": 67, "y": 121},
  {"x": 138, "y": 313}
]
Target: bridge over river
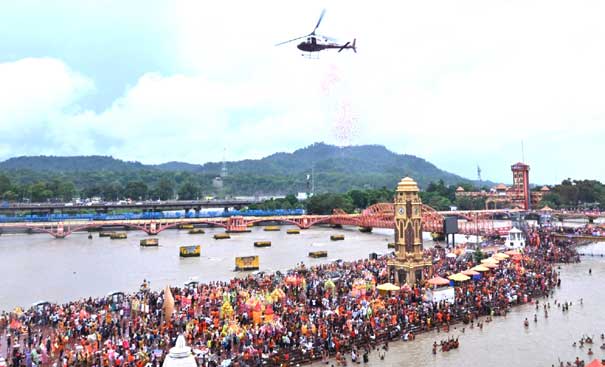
[{"x": 376, "y": 216}]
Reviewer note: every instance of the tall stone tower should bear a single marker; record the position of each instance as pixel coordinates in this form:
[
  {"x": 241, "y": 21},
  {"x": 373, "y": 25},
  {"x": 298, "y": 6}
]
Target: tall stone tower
[
  {"x": 521, "y": 193},
  {"x": 409, "y": 262}
]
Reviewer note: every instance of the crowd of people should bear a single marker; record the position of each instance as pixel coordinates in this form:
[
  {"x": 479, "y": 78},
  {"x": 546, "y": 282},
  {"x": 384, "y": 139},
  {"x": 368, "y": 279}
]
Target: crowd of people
[{"x": 307, "y": 313}]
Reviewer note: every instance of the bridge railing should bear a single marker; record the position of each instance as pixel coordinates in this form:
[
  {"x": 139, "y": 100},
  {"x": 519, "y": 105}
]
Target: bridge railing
[{"x": 149, "y": 215}]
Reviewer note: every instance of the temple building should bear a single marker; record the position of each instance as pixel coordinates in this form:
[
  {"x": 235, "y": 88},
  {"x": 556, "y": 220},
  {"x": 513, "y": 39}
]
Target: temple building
[{"x": 517, "y": 196}]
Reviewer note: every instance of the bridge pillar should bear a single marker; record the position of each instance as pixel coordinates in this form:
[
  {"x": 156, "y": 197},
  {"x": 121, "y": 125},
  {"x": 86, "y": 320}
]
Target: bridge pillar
[
  {"x": 237, "y": 224},
  {"x": 153, "y": 229},
  {"x": 59, "y": 231}
]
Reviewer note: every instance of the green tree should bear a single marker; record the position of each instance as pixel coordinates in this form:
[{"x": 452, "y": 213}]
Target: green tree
[
  {"x": 189, "y": 191},
  {"x": 39, "y": 192},
  {"x": 136, "y": 190},
  {"x": 10, "y": 196},
  {"x": 5, "y": 183},
  {"x": 478, "y": 255},
  {"x": 359, "y": 198},
  {"x": 165, "y": 188},
  {"x": 113, "y": 190},
  {"x": 292, "y": 200},
  {"x": 66, "y": 191},
  {"x": 326, "y": 203}
]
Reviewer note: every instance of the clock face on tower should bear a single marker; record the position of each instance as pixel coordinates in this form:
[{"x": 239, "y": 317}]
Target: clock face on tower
[{"x": 401, "y": 210}]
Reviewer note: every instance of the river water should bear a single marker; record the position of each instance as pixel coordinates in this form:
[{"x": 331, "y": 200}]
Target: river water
[{"x": 39, "y": 267}]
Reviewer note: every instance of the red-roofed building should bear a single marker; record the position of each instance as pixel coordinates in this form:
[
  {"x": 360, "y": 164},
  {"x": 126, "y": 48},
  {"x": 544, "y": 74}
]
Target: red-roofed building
[{"x": 516, "y": 196}]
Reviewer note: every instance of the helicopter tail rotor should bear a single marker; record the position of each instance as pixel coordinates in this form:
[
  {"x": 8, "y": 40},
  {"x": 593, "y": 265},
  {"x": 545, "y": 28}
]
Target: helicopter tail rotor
[
  {"x": 346, "y": 45},
  {"x": 343, "y": 46}
]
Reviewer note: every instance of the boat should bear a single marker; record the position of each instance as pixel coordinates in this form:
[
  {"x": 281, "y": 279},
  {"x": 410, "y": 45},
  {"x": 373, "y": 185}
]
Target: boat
[
  {"x": 337, "y": 237},
  {"x": 293, "y": 231},
  {"x": 336, "y": 226},
  {"x": 190, "y": 251},
  {"x": 365, "y": 229},
  {"x": 105, "y": 234},
  {"x": 222, "y": 236},
  {"x": 262, "y": 244},
  {"x": 149, "y": 242},
  {"x": 316, "y": 254},
  {"x": 118, "y": 235},
  {"x": 243, "y": 263},
  {"x": 271, "y": 228},
  {"x": 186, "y": 226},
  {"x": 196, "y": 231}
]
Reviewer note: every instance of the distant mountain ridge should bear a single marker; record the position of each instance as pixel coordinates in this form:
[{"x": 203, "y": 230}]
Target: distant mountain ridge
[{"x": 335, "y": 168}]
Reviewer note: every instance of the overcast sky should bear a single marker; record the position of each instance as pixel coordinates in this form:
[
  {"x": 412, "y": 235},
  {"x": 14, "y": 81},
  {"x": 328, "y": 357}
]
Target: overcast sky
[{"x": 459, "y": 83}]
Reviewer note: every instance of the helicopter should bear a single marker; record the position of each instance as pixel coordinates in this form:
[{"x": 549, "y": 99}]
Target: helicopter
[{"x": 315, "y": 42}]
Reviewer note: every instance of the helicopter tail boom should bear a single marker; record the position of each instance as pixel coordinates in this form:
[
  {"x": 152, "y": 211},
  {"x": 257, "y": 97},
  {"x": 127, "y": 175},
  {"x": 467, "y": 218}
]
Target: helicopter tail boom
[{"x": 346, "y": 45}]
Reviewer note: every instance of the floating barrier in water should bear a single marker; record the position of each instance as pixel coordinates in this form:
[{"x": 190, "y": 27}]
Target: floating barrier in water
[
  {"x": 317, "y": 254},
  {"x": 149, "y": 242},
  {"x": 245, "y": 263},
  {"x": 190, "y": 251}
]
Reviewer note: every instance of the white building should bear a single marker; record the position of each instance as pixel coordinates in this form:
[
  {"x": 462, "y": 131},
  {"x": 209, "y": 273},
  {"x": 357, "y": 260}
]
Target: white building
[
  {"x": 515, "y": 239},
  {"x": 180, "y": 355}
]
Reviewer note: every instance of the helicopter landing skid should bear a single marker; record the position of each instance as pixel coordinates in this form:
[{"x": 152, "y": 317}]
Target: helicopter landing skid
[{"x": 311, "y": 55}]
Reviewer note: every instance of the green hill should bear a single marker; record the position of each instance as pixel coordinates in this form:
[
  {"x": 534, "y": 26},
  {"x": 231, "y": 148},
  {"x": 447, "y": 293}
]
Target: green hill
[{"x": 336, "y": 169}]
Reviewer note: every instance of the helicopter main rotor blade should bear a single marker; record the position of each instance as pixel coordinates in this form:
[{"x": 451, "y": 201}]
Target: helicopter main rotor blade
[
  {"x": 292, "y": 40},
  {"x": 319, "y": 21}
]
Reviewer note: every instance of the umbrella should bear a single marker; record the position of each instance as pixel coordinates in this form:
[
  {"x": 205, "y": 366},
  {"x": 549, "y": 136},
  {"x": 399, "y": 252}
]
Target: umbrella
[
  {"x": 490, "y": 265},
  {"x": 480, "y": 268},
  {"x": 500, "y": 256},
  {"x": 512, "y": 252},
  {"x": 470, "y": 272},
  {"x": 329, "y": 284},
  {"x": 489, "y": 260},
  {"x": 437, "y": 280},
  {"x": 387, "y": 287},
  {"x": 450, "y": 255},
  {"x": 459, "y": 277}
]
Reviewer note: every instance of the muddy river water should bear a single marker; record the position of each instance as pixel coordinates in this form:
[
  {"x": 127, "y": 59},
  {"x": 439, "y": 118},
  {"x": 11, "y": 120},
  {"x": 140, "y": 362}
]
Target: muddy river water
[{"x": 38, "y": 267}]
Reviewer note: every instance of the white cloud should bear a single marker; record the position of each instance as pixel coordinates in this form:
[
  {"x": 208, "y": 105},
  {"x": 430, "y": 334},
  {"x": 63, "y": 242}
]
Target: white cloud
[{"x": 456, "y": 83}]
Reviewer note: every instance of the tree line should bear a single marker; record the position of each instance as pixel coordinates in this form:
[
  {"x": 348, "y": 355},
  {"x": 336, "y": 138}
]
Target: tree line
[{"x": 23, "y": 185}]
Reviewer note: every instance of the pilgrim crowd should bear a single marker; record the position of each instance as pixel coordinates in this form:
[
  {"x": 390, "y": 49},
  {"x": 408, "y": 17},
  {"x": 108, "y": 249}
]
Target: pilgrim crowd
[{"x": 308, "y": 313}]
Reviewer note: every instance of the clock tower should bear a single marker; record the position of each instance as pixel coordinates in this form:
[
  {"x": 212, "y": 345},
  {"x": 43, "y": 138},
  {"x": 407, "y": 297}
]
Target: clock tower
[{"x": 409, "y": 262}]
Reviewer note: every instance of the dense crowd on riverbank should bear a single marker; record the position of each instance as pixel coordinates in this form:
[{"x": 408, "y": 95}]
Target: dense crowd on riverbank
[{"x": 305, "y": 314}]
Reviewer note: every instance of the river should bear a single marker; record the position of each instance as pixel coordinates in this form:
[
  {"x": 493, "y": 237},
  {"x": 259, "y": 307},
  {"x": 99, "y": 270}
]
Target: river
[{"x": 39, "y": 267}]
